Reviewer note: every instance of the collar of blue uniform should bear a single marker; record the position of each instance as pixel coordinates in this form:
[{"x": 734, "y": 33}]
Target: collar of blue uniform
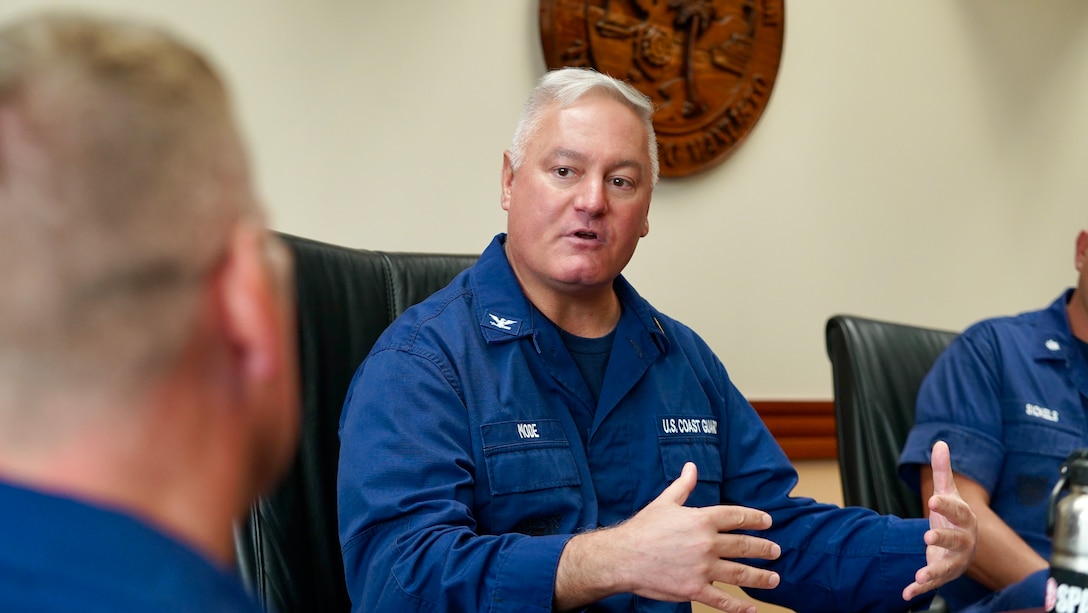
[
  {"x": 505, "y": 313},
  {"x": 1050, "y": 346}
]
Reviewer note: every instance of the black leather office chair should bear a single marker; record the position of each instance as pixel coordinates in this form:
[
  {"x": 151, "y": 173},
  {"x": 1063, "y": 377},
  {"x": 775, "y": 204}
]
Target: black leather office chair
[
  {"x": 877, "y": 368},
  {"x": 288, "y": 547}
]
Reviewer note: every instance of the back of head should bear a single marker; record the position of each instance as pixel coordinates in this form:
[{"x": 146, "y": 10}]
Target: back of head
[
  {"x": 120, "y": 175},
  {"x": 564, "y": 87}
]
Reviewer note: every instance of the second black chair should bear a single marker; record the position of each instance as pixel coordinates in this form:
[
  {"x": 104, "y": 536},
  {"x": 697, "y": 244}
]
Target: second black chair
[{"x": 877, "y": 368}]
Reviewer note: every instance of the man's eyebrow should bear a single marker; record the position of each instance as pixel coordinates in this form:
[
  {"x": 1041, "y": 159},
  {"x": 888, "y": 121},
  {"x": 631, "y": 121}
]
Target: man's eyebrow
[
  {"x": 637, "y": 165},
  {"x": 570, "y": 154}
]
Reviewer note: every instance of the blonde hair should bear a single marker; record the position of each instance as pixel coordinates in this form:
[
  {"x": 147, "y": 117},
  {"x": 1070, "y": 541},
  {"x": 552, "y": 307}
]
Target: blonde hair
[{"x": 120, "y": 175}]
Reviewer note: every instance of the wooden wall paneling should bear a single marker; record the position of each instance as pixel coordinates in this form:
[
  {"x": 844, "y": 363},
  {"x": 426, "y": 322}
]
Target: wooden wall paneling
[{"x": 804, "y": 428}]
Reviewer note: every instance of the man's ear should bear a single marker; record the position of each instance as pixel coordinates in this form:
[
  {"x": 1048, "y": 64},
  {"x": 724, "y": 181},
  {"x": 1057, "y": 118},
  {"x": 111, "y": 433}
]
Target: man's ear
[
  {"x": 1081, "y": 257},
  {"x": 507, "y": 180},
  {"x": 249, "y": 305}
]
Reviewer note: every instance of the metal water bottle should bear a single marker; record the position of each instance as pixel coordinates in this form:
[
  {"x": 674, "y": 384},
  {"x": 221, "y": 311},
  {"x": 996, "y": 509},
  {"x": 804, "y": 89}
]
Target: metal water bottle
[{"x": 1067, "y": 524}]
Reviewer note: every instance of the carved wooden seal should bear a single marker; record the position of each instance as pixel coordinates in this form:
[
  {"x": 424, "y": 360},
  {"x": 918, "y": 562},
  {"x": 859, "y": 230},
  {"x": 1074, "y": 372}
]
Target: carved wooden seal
[{"x": 708, "y": 65}]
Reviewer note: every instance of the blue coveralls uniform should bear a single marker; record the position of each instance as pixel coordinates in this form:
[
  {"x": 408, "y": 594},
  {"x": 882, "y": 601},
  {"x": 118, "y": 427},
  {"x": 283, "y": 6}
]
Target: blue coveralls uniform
[
  {"x": 471, "y": 451},
  {"x": 59, "y": 555},
  {"x": 1008, "y": 395}
]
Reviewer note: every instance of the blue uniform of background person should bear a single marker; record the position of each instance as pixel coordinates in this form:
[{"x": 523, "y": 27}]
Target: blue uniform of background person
[
  {"x": 59, "y": 555},
  {"x": 1009, "y": 396},
  {"x": 469, "y": 428}
]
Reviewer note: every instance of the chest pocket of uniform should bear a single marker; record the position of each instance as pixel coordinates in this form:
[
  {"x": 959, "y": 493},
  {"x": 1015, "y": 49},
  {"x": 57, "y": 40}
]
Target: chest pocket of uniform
[
  {"x": 1035, "y": 454},
  {"x": 532, "y": 478},
  {"x": 683, "y": 440},
  {"x": 1031, "y": 439},
  {"x": 526, "y": 456}
]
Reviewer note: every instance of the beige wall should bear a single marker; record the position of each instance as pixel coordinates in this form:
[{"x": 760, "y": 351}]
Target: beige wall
[{"x": 919, "y": 160}]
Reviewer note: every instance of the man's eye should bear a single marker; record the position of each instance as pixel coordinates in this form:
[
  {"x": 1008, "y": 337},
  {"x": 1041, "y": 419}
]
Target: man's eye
[
  {"x": 621, "y": 182},
  {"x": 562, "y": 172}
]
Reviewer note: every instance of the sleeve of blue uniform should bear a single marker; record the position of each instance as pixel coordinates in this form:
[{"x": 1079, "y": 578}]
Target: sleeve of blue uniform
[
  {"x": 833, "y": 559},
  {"x": 405, "y": 496},
  {"x": 959, "y": 403}
]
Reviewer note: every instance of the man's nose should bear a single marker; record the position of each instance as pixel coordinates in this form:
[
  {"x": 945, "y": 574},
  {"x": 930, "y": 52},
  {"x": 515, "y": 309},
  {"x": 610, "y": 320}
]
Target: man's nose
[{"x": 592, "y": 197}]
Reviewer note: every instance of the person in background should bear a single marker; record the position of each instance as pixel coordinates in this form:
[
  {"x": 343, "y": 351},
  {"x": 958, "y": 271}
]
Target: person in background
[
  {"x": 148, "y": 386},
  {"x": 538, "y": 437},
  {"x": 1011, "y": 393}
]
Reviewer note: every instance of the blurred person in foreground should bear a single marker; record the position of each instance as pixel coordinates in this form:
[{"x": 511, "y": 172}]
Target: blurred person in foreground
[
  {"x": 148, "y": 385},
  {"x": 538, "y": 437},
  {"x": 1012, "y": 393}
]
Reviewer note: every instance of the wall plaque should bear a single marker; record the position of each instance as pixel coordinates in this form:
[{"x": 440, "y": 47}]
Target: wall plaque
[{"x": 708, "y": 65}]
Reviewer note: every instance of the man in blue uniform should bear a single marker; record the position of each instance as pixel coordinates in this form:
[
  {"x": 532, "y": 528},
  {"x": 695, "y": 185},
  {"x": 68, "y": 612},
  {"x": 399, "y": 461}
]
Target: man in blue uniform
[
  {"x": 147, "y": 365},
  {"x": 1010, "y": 395},
  {"x": 538, "y": 437}
]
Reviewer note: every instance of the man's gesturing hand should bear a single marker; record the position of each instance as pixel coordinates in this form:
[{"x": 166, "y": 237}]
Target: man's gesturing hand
[
  {"x": 953, "y": 530},
  {"x": 669, "y": 552}
]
